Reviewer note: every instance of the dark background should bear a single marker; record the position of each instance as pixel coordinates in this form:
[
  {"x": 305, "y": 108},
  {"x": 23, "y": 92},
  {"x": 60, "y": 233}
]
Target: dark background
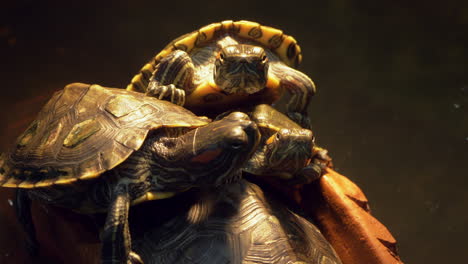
[{"x": 392, "y": 84}]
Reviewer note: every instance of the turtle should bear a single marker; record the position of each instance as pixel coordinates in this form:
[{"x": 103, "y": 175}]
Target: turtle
[
  {"x": 238, "y": 223},
  {"x": 95, "y": 149},
  {"x": 227, "y": 64},
  {"x": 286, "y": 151}
]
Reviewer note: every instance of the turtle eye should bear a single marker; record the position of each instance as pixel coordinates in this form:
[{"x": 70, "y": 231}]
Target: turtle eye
[
  {"x": 236, "y": 145},
  {"x": 221, "y": 57},
  {"x": 264, "y": 58}
]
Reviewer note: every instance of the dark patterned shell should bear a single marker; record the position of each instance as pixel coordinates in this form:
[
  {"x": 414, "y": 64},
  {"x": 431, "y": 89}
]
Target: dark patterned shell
[
  {"x": 85, "y": 130},
  {"x": 237, "y": 224},
  {"x": 284, "y": 46}
]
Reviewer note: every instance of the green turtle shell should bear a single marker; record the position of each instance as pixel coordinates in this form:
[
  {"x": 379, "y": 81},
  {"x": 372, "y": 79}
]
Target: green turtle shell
[
  {"x": 282, "y": 45},
  {"x": 238, "y": 224},
  {"x": 85, "y": 130}
]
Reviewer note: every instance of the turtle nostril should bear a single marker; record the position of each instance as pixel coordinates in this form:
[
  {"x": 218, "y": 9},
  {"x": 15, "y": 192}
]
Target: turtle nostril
[{"x": 237, "y": 138}]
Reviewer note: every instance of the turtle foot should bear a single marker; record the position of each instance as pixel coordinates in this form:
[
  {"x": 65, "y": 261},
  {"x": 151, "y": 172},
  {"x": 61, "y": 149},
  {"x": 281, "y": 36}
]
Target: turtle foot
[
  {"x": 321, "y": 158},
  {"x": 166, "y": 92},
  {"x": 320, "y": 161},
  {"x": 307, "y": 175}
]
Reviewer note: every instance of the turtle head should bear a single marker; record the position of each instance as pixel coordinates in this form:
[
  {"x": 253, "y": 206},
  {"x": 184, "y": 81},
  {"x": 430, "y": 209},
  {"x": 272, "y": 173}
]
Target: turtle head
[
  {"x": 221, "y": 148},
  {"x": 287, "y": 151},
  {"x": 241, "y": 69},
  {"x": 214, "y": 154}
]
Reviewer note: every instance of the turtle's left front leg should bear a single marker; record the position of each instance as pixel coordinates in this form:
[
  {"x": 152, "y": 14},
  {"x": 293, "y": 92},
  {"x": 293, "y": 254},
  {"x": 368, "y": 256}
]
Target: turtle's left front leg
[
  {"x": 116, "y": 242},
  {"x": 22, "y": 207},
  {"x": 300, "y": 87},
  {"x": 172, "y": 79},
  {"x": 315, "y": 169}
]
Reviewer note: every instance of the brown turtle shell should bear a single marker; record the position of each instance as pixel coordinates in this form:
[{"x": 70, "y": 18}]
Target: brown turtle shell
[
  {"x": 85, "y": 130},
  {"x": 239, "y": 223}
]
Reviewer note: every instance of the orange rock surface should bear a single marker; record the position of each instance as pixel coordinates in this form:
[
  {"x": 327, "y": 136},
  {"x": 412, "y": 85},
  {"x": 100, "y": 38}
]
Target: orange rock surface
[{"x": 343, "y": 216}]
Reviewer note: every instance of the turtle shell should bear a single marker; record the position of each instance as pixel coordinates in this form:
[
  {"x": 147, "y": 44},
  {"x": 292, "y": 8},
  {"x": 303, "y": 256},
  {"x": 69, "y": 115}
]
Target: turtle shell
[
  {"x": 239, "y": 223},
  {"x": 85, "y": 130},
  {"x": 282, "y": 45}
]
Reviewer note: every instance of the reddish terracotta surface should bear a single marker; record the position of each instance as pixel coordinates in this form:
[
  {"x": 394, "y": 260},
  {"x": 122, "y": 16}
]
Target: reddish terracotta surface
[{"x": 344, "y": 218}]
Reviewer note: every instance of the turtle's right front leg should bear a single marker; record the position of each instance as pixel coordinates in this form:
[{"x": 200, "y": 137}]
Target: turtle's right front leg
[
  {"x": 315, "y": 169},
  {"x": 22, "y": 207},
  {"x": 172, "y": 78},
  {"x": 116, "y": 242}
]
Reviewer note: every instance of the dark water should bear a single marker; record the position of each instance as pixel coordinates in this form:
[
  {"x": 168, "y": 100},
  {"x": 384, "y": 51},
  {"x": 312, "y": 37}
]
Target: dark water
[{"x": 392, "y": 82}]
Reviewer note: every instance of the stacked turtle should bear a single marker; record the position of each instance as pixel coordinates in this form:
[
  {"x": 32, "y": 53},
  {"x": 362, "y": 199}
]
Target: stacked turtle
[
  {"x": 226, "y": 65},
  {"x": 104, "y": 155},
  {"x": 239, "y": 65}
]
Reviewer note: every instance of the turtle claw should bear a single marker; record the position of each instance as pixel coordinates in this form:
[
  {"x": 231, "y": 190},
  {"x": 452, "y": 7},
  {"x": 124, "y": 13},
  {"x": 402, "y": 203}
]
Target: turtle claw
[
  {"x": 316, "y": 168},
  {"x": 166, "y": 92},
  {"x": 321, "y": 158},
  {"x": 306, "y": 175},
  {"x": 134, "y": 258}
]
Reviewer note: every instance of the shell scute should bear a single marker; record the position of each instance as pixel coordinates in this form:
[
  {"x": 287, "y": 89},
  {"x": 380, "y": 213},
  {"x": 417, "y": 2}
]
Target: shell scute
[
  {"x": 187, "y": 43},
  {"x": 26, "y": 137},
  {"x": 80, "y": 132},
  {"x": 207, "y": 33},
  {"x": 131, "y": 138},
  {"x": 122, "y": 105}
]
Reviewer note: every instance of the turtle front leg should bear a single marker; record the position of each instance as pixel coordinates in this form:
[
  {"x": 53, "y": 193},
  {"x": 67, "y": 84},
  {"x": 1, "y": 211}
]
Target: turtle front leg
[
  {"x": 315, "y": 169},
  {"x": 116, "y": 242},
  {"x": 22, "y": 207},
  {"x": 172, "y": 78},
  {"x": 300, "y": 87}
]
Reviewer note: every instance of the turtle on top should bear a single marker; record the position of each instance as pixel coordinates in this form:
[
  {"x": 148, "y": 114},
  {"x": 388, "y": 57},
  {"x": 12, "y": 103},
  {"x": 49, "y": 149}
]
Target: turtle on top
[{"x": 228, "y": 65}]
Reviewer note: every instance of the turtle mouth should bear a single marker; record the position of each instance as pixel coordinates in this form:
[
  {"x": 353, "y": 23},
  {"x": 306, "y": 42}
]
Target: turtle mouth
[
  {"x": 241, "y": 81},
  {"x": 242, "y": 86}
]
